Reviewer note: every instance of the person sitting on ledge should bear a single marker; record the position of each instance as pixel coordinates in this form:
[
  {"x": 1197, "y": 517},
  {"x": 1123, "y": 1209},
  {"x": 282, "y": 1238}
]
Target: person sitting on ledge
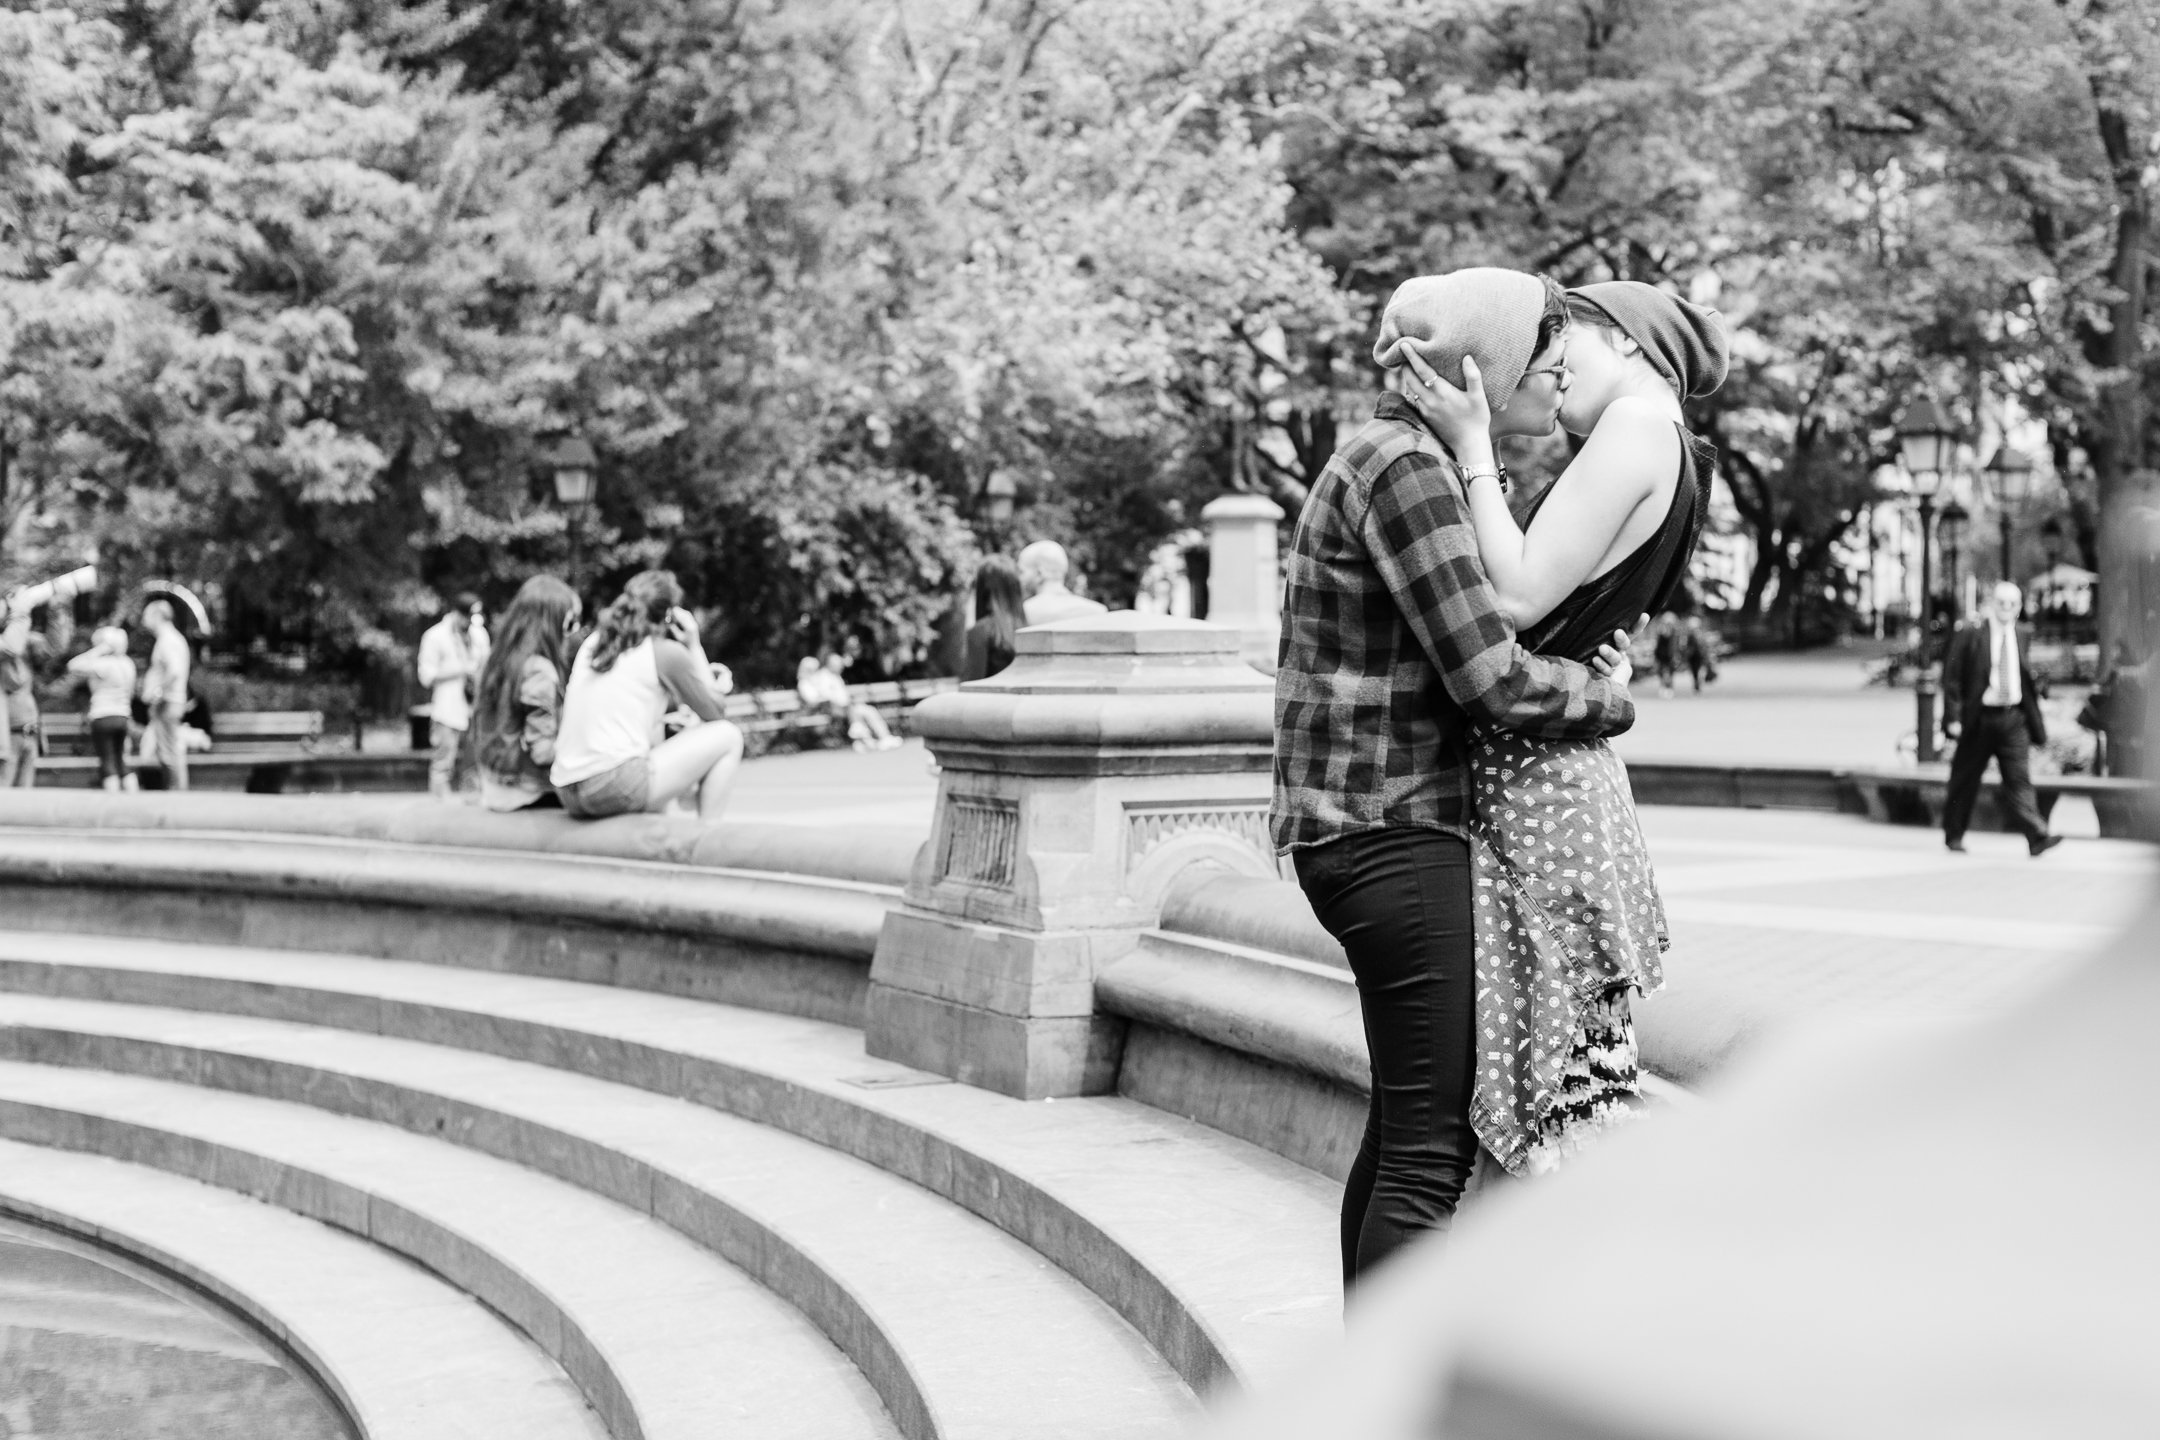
[
  {"x": 643, "y": 659},
  {"x": 521, "y": 690}
]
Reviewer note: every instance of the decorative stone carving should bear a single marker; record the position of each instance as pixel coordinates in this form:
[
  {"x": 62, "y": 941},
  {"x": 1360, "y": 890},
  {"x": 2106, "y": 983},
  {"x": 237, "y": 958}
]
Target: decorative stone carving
[{"x": 1116, "y": 751}]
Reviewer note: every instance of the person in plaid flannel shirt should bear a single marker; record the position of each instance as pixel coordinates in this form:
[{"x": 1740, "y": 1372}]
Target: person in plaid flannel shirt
[{"x": 1394, "y": 647}]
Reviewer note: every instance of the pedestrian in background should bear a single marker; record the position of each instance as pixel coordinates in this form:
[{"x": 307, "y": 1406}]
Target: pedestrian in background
[
  {"x": 1994, "y": 711},
  {"x": 20, "y": 647},
  {"x": 1665, "y": 652},
  {"x": 1043, "y": 568},
  {"x": 450, "y": 661},
  {"x": 165, "y": 694},
  {"x": 1695, "y": 652},
  {"x": 519, "y": 709},
  {"x": 110, "y": 674},
  {"x": 1000, "y": 611}
]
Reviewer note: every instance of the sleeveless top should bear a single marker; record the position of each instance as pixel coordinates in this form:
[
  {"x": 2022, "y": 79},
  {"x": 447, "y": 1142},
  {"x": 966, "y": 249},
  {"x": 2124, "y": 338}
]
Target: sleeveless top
[
  {"x": 608, "y": 717},
  {"x": 1642, "y": 584}
]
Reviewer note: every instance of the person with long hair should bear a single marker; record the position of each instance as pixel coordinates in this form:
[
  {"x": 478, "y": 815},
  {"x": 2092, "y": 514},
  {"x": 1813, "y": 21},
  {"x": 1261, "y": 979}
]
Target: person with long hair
[
  {"x": 643, "y": 659},
  {"x": 520, "y": 700},
  {"x": 1570, "y": 924},
  {"x": 999, "y": 615}
]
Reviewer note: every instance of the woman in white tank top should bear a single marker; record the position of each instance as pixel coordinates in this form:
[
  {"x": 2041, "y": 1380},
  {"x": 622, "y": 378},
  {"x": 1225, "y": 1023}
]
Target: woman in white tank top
[{"x": 642, "y": 660}]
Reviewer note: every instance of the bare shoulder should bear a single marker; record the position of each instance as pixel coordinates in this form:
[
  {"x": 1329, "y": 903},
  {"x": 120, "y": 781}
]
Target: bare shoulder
[{"x": 1634, "y": 440}]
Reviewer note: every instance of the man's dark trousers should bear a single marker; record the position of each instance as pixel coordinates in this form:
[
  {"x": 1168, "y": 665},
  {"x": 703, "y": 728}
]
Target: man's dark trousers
[
  {"x": 1998, "y": 732},
  {"x": 1398, "y": 900}
]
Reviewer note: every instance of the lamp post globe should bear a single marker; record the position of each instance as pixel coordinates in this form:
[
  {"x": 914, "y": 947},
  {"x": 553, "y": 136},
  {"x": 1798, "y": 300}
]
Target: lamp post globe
[
  {"x": 573, "y": 465},
  {"x": 2010, "y": 476},
  {"x": 999, "y": 495}
]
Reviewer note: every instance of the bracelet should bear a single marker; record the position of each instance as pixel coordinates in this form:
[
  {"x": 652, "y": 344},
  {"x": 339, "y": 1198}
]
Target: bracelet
[{"x": 1500, "y": 476}]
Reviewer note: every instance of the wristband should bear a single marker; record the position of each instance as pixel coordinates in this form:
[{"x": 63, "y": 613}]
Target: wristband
[{"x": 1500, "y": 476}]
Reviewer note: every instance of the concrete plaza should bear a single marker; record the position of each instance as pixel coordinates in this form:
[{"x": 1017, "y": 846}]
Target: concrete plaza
[{"x": 1891, "y": 924}]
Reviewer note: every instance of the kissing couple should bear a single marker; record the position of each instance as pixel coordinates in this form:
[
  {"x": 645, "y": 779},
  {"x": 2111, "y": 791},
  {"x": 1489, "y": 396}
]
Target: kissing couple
[{"x": 1447, "y": 677}]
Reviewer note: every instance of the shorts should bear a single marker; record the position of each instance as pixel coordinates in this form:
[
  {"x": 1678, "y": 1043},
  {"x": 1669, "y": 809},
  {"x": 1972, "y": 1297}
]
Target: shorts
[{"x": 620, "y": 791}]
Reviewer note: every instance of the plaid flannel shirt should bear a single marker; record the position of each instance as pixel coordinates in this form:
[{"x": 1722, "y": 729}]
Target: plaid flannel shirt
[{"x": 1394, "y": 648}]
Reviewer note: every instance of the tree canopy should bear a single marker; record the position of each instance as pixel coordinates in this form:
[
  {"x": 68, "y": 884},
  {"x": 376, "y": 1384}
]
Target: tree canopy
[{"x": 295, "y": 293}]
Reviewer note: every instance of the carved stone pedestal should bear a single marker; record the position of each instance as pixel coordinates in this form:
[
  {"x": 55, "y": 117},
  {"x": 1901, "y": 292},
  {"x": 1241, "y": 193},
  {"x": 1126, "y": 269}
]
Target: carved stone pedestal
[{"x": 1116, "y": 751}]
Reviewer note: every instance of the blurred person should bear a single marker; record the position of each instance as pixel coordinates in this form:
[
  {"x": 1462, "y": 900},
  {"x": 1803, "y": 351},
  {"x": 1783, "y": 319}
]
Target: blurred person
[
  {"x": 1665, "y": 652},
  {"x": 867, "y": 729},
  {"x": 518, "y": 711},
  {"x": 1395, "y": 653},
  {"x": 1000, "y": 611},
  {"x": 1043, "y": 568},
  {"x": 1992, "y": 707},
  {"x": 110, "y": 674},
  {"x": 2116, "y": 712},
  {"x": 449, "y": 664},
  {"x": 20, "y": 650},
  {"x": 1570, "y": 927},
  {"x": 1695, "y": 652},
  {"x": 165, "y": 694},
  {"x": 643, "y": 659}
]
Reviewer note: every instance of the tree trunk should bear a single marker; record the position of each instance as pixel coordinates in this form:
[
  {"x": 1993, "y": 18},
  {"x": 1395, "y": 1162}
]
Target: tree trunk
[{"x": 2116, "y": 439}]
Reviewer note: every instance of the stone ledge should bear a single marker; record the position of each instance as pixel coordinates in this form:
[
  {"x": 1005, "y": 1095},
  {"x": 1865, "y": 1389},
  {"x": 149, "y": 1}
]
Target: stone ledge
[
  {"x": 866, "y": 855},
  {"x": 791, "y": 913}
]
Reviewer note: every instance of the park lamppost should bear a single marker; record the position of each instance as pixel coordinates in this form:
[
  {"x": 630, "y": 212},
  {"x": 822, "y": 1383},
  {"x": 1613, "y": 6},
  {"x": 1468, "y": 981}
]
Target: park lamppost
[
  {"x": 573, "y": 463},
  {"x": 2011, "y": 476},
  {"x": 1928, "y": 445},
  {"x": 999, "y": 494},
  {"x": 1951, "y": 525}
]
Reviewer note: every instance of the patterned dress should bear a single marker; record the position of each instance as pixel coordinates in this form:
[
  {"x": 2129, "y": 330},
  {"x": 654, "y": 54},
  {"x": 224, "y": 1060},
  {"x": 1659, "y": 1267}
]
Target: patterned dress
[{"x": 1568, "y": 920}]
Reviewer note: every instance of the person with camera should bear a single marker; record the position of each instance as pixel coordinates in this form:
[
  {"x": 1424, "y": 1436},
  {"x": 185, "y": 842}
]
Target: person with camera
[{"x": 643, "y": 660}]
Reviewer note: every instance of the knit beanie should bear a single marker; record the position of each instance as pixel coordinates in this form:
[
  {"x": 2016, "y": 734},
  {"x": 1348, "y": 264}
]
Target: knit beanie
[
  {"x": 1484, "y": 311},
  {"x": 1684, "y": 342}
]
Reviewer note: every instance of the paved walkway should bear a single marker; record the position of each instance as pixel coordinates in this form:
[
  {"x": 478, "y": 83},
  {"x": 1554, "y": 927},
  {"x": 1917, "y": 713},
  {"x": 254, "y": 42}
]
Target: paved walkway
[{"x": 1886, "y": 919}]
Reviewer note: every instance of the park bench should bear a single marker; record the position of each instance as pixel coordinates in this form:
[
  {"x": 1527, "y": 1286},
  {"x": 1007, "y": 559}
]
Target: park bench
[
  {"x": 248, "y": 730},
  {"x": 769, "y": 716}
]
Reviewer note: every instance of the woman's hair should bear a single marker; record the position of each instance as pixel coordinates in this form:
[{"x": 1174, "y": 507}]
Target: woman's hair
[
  {"x": 537, "y": 623},
  {"x": 110, "y": 637},
  {"x": 1559, "y": 309},
  {"x": 999, "y": 600},
  {"x": 634, "y": 616}
]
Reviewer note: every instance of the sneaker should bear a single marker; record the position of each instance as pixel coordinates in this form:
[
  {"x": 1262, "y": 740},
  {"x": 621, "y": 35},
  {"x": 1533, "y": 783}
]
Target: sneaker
[
  {"x": 1958, "y": 845},
  {"x": 2044, "y": 844}
]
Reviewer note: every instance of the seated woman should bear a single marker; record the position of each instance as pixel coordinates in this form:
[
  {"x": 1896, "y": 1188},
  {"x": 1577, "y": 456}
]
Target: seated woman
[
  {"x": 1573, "y": 923},
  {"x": 111, "y": 676},
  {"x": 822, "y": 687},
  {"x": 998, "y": 617},
  {"x": 520, "y": 696},
  {"x": 642, "y": 660}
]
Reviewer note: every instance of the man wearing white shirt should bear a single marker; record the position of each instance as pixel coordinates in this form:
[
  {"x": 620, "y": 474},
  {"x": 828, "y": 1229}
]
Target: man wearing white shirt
[
  {"x": 1991, "y": 706},
  {"x": 1043, "y": 568},
  {"x": 165, "y": 693},
  {"x": 451, "y": 654}
]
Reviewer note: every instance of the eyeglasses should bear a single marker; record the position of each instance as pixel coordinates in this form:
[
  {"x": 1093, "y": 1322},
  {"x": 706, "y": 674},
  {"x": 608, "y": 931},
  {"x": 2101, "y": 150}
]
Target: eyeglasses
[{"x": 1559, "y": 372}]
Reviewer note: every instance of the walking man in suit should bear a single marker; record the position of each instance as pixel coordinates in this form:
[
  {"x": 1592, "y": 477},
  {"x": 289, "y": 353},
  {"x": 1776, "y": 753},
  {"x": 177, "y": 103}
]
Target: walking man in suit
[{"x": 1991, "y": 708}]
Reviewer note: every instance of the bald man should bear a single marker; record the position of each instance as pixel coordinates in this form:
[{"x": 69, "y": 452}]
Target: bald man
[{"x": 1043, "y": 568}]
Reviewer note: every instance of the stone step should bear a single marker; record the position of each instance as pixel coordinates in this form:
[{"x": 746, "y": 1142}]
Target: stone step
[
  {"x": 405, "y": 1355},
  {"x": 1222, "y": 1254},
  {"x": 997, "y": 1343},
  {"x": 666, "y": 1340}
]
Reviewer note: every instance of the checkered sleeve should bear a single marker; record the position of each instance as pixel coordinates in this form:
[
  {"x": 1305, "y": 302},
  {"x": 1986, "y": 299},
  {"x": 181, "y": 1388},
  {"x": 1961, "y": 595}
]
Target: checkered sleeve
[{"x": 1417, "y": 530}]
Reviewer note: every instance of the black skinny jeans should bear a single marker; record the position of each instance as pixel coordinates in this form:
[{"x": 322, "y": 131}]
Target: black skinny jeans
[
  {"x": 109, "y": 737},
  {"x": 1399, "y": 903}
]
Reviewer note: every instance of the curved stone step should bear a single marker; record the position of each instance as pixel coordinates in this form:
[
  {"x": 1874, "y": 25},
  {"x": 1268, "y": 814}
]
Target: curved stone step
[
  {"x": 963, "y": 1331},
  {"x": 1222, "y": 1254},
  {"x": 405, "y": 1355},
  {"x": 666, "y": 1340}
]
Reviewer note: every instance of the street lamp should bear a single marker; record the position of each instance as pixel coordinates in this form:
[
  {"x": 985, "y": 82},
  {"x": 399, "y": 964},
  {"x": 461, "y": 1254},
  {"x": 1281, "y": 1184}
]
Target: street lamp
[
  {"x": 2011, "y": 474},
  {"x": 2051, "y": 545},
  {"x": 1952, "y": 524},
  {"x": 573, "y": 463},
  {"x": 999, "y": 493},
  {"x": 1927, "y": 442}
]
